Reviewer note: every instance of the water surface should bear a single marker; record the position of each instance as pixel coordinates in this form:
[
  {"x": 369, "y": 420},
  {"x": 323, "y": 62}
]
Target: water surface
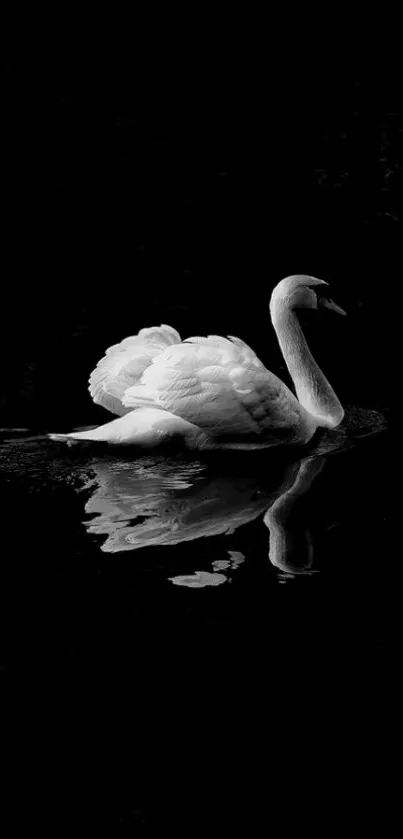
[{"x": 135, "y": 589}]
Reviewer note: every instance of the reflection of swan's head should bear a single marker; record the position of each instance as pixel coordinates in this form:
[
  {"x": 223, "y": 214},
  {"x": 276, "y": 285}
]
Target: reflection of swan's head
[{"x": 302, "y": 292}]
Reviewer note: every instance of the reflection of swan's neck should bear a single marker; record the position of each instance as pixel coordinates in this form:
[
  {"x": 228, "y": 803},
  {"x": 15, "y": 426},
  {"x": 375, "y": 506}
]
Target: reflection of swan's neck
[
  {"x": 312, "y": 388},
  {"x": 288, "y": 552}
]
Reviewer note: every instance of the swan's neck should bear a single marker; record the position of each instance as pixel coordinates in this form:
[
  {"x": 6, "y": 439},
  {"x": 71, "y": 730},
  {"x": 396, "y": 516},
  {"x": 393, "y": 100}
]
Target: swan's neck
[{"x": 312, "y": 388}]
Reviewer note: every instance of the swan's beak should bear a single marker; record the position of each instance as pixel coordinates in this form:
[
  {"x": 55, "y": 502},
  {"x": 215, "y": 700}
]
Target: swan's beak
[{"x": 329, "y": 304}]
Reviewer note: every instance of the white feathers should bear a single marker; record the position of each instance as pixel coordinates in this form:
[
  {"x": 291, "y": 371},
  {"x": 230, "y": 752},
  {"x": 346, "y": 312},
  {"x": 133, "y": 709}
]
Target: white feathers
[
  {"x": 146, "y": 428},
  {"x": 124, "y": 364},
  {"x": 217, "y": 384}
]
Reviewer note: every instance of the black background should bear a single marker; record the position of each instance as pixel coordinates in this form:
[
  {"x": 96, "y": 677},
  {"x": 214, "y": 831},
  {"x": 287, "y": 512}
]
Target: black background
[
  {"x": 146, "y": 186},
  {"x": 158, "y": 188}
]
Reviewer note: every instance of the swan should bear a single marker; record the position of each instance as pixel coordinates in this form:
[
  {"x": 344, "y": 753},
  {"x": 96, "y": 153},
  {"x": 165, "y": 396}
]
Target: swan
[{"x": 214, "y": 392}]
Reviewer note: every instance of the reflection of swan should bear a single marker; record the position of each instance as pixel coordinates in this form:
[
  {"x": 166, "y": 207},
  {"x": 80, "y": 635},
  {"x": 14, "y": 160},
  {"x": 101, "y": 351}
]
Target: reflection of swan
[
  {"x": 160, "y": 502},
  {"x": 166, "y": 501},
  {"x": 214, "y": 392}
]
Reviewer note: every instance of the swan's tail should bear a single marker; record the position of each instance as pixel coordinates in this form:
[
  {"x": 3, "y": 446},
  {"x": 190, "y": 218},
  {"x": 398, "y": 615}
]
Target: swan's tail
[
  {"x": 75, "y": 437},
  {"x": 145, "y": 428}
]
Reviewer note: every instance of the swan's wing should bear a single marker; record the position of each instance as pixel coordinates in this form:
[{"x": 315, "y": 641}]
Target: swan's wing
[
  {"x": 123, "y": 365},
  {"x": 219, "y": 385}
]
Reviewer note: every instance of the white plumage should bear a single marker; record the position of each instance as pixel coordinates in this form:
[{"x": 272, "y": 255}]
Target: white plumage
[
  {"x": 124, "y": 364},
  {"x": 213, "y": 391}
]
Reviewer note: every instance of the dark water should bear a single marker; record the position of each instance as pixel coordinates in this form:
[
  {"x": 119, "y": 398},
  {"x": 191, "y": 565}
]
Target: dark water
[
  {"x": 157, "y": 605},
  {"x": 176, "y": 628}
]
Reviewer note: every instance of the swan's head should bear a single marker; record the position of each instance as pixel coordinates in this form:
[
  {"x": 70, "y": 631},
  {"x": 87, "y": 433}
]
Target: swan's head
[{"x": 302, "y": 292}]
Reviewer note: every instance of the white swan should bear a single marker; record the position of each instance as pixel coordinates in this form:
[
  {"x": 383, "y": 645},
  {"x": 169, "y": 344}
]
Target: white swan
[{"x": 214, "y": 392}]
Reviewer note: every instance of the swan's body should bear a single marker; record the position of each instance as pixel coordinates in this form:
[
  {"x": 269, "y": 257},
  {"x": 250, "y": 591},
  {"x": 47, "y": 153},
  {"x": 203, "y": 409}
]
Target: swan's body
[{"x": 214, "y": 392}]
